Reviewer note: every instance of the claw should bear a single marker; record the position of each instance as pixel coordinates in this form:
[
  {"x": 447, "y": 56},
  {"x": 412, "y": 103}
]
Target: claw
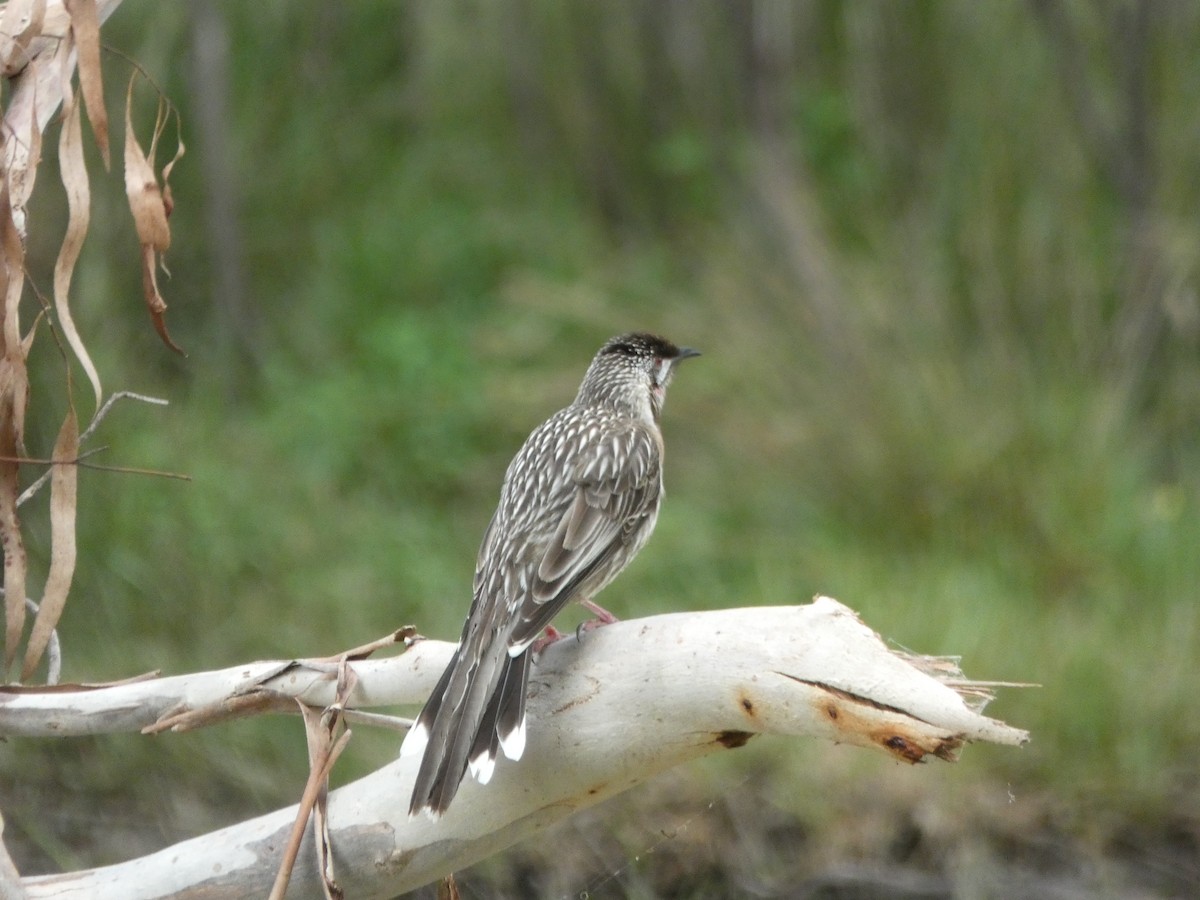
[
  {"x": 603, "y": 616},
  {"x": 592, "y": 624},
  {"x": 552, "y": 634}
]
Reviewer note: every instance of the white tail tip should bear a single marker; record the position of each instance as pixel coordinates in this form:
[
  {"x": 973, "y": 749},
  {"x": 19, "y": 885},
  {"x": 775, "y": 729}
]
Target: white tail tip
[
  {"x": 482, "y": 767},
  {"x": 415, "y": 741},
  {"x": 513, "y": 743}
]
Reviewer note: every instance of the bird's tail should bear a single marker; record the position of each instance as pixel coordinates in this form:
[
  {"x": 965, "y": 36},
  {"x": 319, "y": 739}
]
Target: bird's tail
[{"x": 476, "y": 709}]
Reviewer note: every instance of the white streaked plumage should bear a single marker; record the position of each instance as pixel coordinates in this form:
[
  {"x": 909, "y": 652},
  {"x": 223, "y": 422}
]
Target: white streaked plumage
[{"x": 578, "y": 502}]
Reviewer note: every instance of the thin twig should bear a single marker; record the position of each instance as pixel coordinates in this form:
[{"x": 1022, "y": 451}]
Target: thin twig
[
  {"x": 134, "y": 470},
  {"x": 137, "y": 66},
  {"x": 119, "y": 395},
  {"x": 333, "y": 718},
  {"x": 319, "y": 730},
  {"x": 315, "y": 784},
  {"x": 53, "y": 649},
  {"x": 260, "y": 698},
  {"x": 240, "y": 706},
  {"x": 405, "y": 635},
  {"x": 45, "y": 476},
  {"x": 87, "y": 432},
  {"x": 379, "y": 720},
  {"x": 258, "y": 702},
  {"x": 79, "y": 461}
]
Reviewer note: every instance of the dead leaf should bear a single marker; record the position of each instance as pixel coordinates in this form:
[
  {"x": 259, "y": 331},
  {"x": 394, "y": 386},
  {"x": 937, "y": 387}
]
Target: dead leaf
[
  {"x": 154, "y": 300},
  {"x": 403, "y": 635},
  {"x": 85, "y": 26},
  {"x": 180, "y": 149},
  {"x": 75, "y": 182},
  {"x": 14, "y": 396},
  {"x": 149, "y": 218},
  {"x": 187, "y": 718},
  {"x": 23, "y": 159},
  {"x": 323, "y": 751},
  {"x": 141, "y": 186},
  {"x": 12, "y": 251},
  {"x": 63, "y": 484},
  {"x": 21, "y": 22},
  {"x": 10, "y": 530}
]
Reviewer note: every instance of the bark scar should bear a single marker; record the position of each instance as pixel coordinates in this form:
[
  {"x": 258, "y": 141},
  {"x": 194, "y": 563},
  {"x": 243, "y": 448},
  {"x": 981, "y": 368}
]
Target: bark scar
[
  {"x": 909, "y": 747},
  {"x": 854, "y": 698}
]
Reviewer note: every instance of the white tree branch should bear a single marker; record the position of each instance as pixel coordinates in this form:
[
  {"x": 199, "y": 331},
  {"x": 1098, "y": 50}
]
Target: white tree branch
[
  {"x": 188, "y": 701},
  {"x": 606, "y": 713}
]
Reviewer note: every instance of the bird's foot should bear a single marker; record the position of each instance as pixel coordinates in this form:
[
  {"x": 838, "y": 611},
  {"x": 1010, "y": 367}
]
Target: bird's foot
[
  {"x": 603, "y": 616},
  {"x": 551, "y": 635}
]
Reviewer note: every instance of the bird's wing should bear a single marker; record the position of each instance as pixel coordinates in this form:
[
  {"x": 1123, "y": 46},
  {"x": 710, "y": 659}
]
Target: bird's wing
[
  {"x": 616, "y": 484},
  {"x": 478, "y": 706},
  {"x": 486, "y": 547}
]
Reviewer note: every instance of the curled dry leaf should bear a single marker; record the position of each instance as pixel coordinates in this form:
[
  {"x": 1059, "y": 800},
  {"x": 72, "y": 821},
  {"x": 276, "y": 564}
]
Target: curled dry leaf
[
  {"x": 141, "y": 186},
  {"x": 14, "y": 396},
  {"x": 22, "y": 152},
  {"x": 150, "y": 219},
  {"x": 85, "y": 27},
  {"x": 75, "y": 182},
  {"x": 10, "y": 527},
  {"x": 20, "y": 23},
  {"x": 323, "y": 752},
  {"x": 12, "y": 250},
  {"x": 448, "y": 889},
  {"x": 180, "y": 149},
  {"x": 63, "y": 484}
]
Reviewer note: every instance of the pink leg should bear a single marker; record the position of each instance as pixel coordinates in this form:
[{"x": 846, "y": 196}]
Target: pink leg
[
  {"x": 603, "y": 616},
  {"x": 552, "y": 634}
]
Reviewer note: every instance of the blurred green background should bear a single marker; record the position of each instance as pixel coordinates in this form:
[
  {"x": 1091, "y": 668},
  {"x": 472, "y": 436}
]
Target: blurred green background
[{"x": 942, "y": 261}]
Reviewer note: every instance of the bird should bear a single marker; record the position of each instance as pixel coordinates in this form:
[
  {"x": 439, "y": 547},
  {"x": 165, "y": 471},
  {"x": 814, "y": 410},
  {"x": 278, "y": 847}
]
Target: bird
[{"x": 578, "y": 501}]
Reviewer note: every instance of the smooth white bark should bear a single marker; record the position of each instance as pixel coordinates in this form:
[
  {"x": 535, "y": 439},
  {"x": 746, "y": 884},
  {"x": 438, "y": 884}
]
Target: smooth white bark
[
  {"x": 139, "y": 705},
  {"x": 606, "y": 713}
]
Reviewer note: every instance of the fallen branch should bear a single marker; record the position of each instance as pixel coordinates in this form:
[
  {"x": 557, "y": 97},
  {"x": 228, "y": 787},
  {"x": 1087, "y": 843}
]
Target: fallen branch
[
  {"x": 185, "y": 702},
  {"x": 606, "y": 713}
]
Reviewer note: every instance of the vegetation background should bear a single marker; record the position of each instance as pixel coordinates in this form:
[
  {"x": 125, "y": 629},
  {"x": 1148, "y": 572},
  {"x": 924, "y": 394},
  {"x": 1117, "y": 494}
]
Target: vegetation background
[{"x": 942, "y": 261}]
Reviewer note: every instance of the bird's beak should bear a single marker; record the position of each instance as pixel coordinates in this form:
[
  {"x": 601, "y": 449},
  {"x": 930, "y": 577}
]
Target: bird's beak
[{"x": 686, "y": 353}]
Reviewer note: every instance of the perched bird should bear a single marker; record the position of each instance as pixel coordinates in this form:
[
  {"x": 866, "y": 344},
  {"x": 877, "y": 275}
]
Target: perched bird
[{"x": 579, "y": 501}]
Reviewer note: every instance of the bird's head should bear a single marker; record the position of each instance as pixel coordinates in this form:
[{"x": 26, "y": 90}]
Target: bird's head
[{"x": 631, "y": 372}]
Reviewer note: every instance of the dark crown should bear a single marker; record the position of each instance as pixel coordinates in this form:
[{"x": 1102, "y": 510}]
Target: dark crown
[{"x": 640, "y": 344}]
